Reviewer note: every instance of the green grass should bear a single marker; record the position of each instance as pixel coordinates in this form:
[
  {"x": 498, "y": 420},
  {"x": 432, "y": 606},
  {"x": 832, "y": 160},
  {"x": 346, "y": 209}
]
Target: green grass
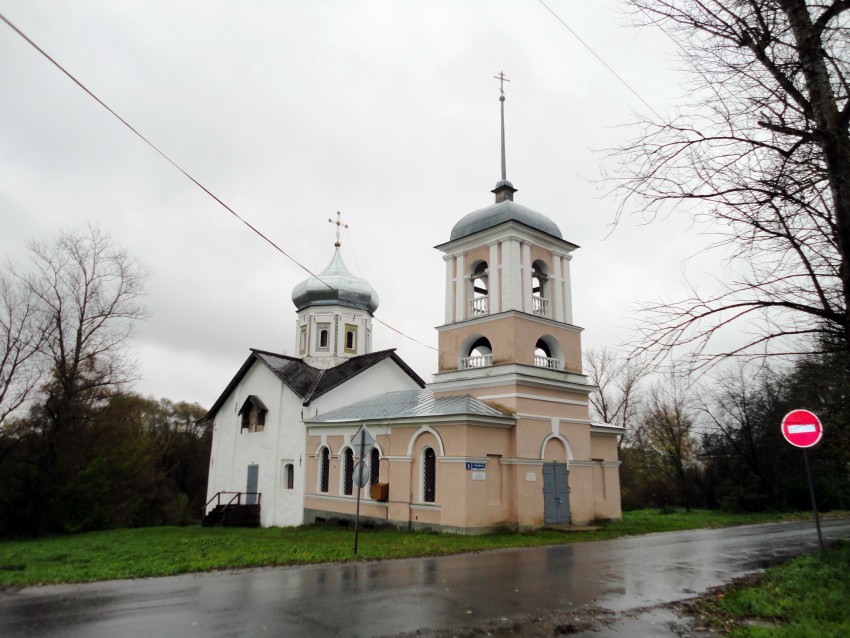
[
  {"x": 804, "y": 598},
  {"x": 165, "y": 551}
]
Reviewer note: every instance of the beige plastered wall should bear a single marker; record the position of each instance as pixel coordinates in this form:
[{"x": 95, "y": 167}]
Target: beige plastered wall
[{"x": 513, "y": 338}]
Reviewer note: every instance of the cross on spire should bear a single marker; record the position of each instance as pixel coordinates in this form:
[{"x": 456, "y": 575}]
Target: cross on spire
[
  {"x": 338, "y": 223},
  {"x": 502, "y": 79}
]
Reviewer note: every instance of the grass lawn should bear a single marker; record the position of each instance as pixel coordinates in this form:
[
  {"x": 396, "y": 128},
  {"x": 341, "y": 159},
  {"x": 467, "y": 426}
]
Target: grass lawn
[
  {"x": 804, "y": 598},
  {"x": 165, "y": 551}
]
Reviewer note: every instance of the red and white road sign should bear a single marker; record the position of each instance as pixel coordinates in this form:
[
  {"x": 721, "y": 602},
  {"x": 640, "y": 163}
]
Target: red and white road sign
[{"x": 801, "y": 428}]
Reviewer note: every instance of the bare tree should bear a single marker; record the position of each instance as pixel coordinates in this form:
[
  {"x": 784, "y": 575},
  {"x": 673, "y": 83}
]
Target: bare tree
[
  {"x": 667, "y": 425},
  {"x": 21, "y": 336},
  {"x": 740, "y": 409},
  {"x": 86, "y": 292},
  {"x": 761, "y": 153},
  {"x": 619, "y": 387}
]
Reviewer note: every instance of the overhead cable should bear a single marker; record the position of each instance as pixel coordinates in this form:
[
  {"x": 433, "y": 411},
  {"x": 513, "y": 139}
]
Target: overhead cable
[{"x": 186, "y": 173}]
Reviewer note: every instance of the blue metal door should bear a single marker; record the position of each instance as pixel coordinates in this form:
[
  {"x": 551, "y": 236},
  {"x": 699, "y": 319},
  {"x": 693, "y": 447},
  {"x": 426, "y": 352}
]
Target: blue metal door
[
  {"x": 253, "y": 483},
  {"x": 556, "y": 494}
]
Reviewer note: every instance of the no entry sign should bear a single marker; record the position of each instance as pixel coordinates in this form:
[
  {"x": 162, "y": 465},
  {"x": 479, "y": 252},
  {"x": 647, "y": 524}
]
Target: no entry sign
[{"x": 801, "y": 428}]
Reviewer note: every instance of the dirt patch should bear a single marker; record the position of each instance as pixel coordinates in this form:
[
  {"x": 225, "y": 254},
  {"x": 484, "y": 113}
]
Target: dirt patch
[
  {"x": 705, "y": 617},
  {"x": 568, "y": 623}
]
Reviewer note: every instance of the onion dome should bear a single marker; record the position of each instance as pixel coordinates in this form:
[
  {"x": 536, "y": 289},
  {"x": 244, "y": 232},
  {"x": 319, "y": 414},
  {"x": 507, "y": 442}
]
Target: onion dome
[
  {"x": 335, "y": 286},
  {"x": 501, "y": 212}
]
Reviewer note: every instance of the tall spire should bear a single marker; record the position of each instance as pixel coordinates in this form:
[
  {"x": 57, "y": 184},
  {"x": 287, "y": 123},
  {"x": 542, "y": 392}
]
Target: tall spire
[{"x": 504, "y": 189}]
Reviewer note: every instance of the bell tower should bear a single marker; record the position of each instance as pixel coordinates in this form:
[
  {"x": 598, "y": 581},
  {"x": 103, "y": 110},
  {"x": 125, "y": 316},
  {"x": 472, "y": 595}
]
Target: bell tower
[
  {"x": 509, "y": 340},
  {"x": 508, "y": 295}
]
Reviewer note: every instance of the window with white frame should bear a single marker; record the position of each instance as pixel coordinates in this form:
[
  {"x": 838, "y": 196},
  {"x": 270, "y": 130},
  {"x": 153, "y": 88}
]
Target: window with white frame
[
  {"x": 288, "y": 476},
  {"x": 350, "y": 338},
  {"x": 323, "y": 342}
]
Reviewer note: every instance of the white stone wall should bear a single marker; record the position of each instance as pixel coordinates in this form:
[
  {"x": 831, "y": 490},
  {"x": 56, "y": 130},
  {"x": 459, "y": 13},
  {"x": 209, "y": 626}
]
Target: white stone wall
[{"x": 283, "y": 438}]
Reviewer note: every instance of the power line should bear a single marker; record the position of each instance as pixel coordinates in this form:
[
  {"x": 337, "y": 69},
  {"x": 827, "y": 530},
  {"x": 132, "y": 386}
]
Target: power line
[
  {"x": 599, "y": 57},
  {"x": 185, "y": 173},
  {"x": 153, "y": 146}
]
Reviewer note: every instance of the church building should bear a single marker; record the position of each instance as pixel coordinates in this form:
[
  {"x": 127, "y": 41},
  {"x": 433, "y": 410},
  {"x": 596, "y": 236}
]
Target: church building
[{"x": 501, "y": 439}]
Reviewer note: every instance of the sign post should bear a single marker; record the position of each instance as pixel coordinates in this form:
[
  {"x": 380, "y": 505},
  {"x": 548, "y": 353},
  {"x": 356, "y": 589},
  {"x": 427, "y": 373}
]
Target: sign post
[
  {"x": 803, "y": 429},
  {"x": 364, "y": 440}
]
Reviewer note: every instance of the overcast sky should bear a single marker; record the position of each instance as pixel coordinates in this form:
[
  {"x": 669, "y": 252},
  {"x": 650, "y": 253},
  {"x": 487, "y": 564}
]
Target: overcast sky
[{"x": 290, "y": 111}]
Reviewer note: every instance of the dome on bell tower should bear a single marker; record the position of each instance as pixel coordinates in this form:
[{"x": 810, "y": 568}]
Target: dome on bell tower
[
  {"x": 335, "y": 286},
  {"x": 503, "y": 211}
]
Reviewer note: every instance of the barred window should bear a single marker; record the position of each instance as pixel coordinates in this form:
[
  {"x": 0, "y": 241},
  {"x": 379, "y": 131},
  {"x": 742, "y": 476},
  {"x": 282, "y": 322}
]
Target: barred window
[
  {"x": 348, "y": 472},
  {"x": 324, "y": 469},
  {"x": 289, "y": 476},
  {"x": 429, "y": 478},
  {"x": 374, "y": 466}
]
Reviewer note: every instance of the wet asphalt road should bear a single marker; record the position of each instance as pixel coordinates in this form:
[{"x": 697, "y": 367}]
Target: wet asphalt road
[{"x": 373, "y": 599}]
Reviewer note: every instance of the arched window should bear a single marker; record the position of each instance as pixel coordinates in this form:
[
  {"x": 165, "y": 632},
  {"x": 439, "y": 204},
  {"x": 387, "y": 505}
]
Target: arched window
[
  {"x": 350, "y": 338},
  {"x": 480, "y": 289},
  {"x": 289, "y": 476},
  {"x": 539, "y": 289},
  {"x": 429, "y": 475},
  {"x": 544, "y": 357},
  {"x": 324, "y": 336},
  {"x": 348, "y": 472},
  {"x": 480, "y": 354},
  {"x": 374, "y": 466},
  {"x": 324, "y": 469}
]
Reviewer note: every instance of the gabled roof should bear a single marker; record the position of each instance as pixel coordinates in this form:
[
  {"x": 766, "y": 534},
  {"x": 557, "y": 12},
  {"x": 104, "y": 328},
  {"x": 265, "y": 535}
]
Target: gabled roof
[
  {"x": 407, "y": 404},
  {"x": 307, "y": 382}
]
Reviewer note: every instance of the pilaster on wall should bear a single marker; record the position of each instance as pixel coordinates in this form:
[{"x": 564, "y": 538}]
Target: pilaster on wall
[
  {"x": 494, "y": 278},
  {"x": 567, "y": 290},
  {"x": 401, "y": 494},
  {"x": 450, "y": 288},
  {"x": 529, "y": 495},
  {"x": 460, "y": 289},
  {"x": 511, "y": 255},
  {"x": 556, "y": 286},
  {"x": 526, "y": 271}
]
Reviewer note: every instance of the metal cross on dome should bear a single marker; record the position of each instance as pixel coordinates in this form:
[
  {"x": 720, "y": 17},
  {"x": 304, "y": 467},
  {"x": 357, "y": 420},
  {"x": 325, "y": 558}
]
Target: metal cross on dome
[{"x": 338, "y": 223}]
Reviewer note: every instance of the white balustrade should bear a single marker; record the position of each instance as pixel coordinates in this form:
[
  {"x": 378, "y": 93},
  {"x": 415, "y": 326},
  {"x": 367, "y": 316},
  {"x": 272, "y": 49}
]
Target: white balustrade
[
  {"x": 540, "y": 306},
  {"x": 477, "y": 361},
  {"x": 480, "y": 306},
  {"x": 547, "y": 362}
]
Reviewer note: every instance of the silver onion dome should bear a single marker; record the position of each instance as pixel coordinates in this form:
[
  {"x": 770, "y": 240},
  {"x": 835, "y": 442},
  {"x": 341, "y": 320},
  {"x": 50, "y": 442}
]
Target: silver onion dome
[
  {"x": 501, "y": 212},
  {"x": 335, "y": 286}
]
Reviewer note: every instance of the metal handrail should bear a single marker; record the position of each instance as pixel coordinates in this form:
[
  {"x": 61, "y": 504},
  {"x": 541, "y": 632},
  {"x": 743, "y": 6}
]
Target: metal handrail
[{"x": 237, "y": 496}]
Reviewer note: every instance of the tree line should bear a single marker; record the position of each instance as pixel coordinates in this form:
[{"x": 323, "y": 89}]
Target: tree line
[
  {"x": 78, "y": 451},
  {"x": 717, "y": 443}
]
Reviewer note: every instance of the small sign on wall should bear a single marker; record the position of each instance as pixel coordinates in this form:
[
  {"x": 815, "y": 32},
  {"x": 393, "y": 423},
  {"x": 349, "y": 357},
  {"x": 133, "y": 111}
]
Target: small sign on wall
[
  {"x": 476, "y": 466},
  {"x": 479, "y": 476},
  {"x": 531, "y": 477}
]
